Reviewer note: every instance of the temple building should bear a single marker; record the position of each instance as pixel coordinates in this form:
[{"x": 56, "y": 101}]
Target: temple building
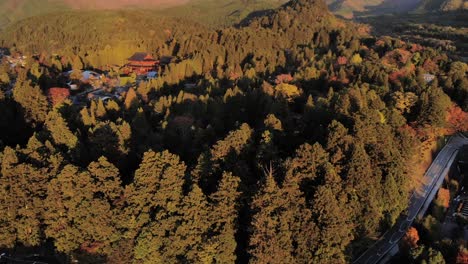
[{"x": 141, "y": 63}]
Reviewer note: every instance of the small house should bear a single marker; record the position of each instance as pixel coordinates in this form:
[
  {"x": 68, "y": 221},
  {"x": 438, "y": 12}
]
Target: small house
[
  {"x": 141, "y": 63},
  {"x": 73, "y": 86},
  {"x": 428, "y": 77},
  {"x": 16, "y": 61}
]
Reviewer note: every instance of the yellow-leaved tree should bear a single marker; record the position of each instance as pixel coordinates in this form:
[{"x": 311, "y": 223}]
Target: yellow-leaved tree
[{"x": 287, "y": 91}]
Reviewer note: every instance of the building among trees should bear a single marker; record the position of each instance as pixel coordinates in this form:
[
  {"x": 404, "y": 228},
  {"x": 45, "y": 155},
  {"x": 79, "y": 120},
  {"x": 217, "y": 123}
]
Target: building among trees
[{"x": 141, "y": 63}]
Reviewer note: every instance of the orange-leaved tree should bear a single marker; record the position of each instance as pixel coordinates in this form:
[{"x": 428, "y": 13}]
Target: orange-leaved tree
[
  {"x": 457, "y": 119},
  {"x": 411, "y": 238}
]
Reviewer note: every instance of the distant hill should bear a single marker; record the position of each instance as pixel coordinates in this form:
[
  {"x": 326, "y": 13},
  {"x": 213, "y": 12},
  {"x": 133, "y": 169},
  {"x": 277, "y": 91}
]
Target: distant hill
[
  {"x": 217, "y": 13},
  {"x": 451, "y": 5},
  {"x": 13, "y": 10},
  {"x": 107, "y": 37},
  {"x": 297, "y": 13},
  {"x": 352, "y": 8},
  {"x": 442, "y": 5},
  {"x": 117, "y": 4},
  {"x": 116, "y": 32},
  {"x": 210, "y": 12}
]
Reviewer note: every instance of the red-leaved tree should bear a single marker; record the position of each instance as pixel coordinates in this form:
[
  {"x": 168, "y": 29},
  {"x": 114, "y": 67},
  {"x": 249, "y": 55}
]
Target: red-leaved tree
[{"x": 457, "y": 119}]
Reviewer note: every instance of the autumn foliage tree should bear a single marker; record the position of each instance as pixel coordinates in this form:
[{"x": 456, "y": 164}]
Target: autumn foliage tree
[
  {"x": 462, "y": 256},
  {"x": 411, "y": 238},
  {"x": 443, "y": 198},
  {"x": 457, "y": 119}
]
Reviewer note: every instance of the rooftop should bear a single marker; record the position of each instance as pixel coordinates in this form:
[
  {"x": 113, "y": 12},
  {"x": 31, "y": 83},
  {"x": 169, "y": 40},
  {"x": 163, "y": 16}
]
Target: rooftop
[{"x": 141, "y": 56}]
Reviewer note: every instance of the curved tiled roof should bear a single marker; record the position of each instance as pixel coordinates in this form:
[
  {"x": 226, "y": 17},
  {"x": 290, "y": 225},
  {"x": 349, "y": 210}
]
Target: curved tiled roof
[{"x": 141, "y": 56}]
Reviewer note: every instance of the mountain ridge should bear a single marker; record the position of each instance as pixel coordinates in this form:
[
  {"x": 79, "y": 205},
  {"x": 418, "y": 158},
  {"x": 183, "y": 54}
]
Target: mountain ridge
[
  {"x": 442, "y": 5},
  {"x": 352, "y": 8}
]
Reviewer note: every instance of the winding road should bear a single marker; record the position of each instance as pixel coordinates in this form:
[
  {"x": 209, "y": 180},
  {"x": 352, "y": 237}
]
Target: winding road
[{"x": 419, "y": 201}]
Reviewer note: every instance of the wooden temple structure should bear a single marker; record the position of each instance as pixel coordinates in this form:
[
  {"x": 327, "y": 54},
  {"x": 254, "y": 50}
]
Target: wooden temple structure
[{"x": 141, "y": 63}]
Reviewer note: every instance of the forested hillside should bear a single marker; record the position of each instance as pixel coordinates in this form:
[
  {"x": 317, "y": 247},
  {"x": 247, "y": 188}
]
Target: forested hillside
[
  {"x": 99, "y": 37},
  {"x": 208, "y": 12},
  {"x": 11, "y": 11},
  {"x": 442, "y": 5},
  {"x": 15, "y": 10},
  {"x": 287, "y": 139},
  {"x": 216, "y": 14}
]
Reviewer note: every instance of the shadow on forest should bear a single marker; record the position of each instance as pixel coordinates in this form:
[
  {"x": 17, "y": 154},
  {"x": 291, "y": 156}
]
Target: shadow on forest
[
  {"x": 14, "y": 129},
  {"x": 195, "y": 123},
  {"x": 44, "y": 254},
  {"x": 256, "y": 14}
]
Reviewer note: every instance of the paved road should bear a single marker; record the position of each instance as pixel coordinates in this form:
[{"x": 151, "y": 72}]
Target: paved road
[{"x": 419, "y": 201}]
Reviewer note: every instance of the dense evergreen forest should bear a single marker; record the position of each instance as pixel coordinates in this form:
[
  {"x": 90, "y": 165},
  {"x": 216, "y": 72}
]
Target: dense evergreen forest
[{"x": 285, "y": 139}]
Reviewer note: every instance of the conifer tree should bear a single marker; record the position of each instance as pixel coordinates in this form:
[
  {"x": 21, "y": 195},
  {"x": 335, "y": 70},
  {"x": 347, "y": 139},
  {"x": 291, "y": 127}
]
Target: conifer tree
[
  {"x": 236, "y": 141},
  {"x": 334, "y": 220},
  {"x": 338, "y": 144},
  {"x": 225, "y": 215},
  {"x": 79, "y": 214},
  {"x": 304, "y": 172},
  {"x": 177, "y": 231},
  {"x": 364, "y": 186},
  {"x": 271, "y": 240},
  {"x": 21, "y": 201},
  {"x": 59, "y": 131},
  {"x": 195, "y": 222},
  {"x": 157, "y": 186},
  {"x": 131, "y": 99},
  {"x": 32, "y": 100},
  {"x": 433, "y": 107}
]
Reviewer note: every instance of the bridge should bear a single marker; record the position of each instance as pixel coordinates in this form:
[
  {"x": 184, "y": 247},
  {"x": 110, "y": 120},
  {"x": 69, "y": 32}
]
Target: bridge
[{"x": 419, "y": 201}]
